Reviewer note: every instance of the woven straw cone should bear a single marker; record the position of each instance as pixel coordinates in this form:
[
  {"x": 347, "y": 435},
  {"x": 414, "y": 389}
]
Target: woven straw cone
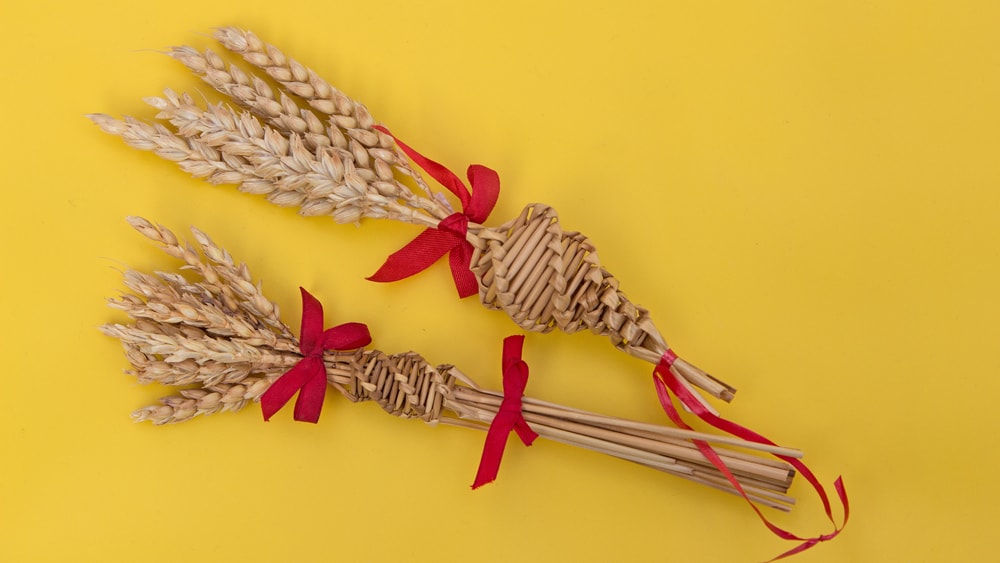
[{"x": 546, "y": 278}]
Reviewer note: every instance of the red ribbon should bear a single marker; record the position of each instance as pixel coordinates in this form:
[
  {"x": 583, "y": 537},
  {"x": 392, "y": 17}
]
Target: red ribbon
[
  {"x": 449, "y": 236},
  {"x": 664, "y": 378},
  {"x": 308, "y": 376},
  {"x": 509, "y": 417}
]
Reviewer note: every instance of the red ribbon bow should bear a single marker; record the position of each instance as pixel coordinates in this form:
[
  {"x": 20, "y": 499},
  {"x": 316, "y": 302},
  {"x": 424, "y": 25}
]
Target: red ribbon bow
[
  {"x": 664, "y": 378},
  {"x": 509, "y": 417},
  {"x": 308, "y": 376},
  {"x": 449, "y": 236}
]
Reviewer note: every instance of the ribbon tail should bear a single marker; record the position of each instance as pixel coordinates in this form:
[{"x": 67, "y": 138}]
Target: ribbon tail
[
  {"x": 842, "y": 495},
  {"x": 439, "y": 172},
  {"x": 493, "y": 448},
  {"x": 309, "y": 405},
  {"x": 524, "y": 432},
  {"x": 460, "y": 258},
  {"x": 418, "y": 255},
  {"x": 666, "y": 401},
  {"x": 797, "y": 549},
  {"x": 283, "y": 389}
]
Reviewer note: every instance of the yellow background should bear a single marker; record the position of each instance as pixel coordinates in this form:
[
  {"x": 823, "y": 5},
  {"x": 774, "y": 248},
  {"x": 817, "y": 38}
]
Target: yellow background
[{"x": 805, "y": 195}]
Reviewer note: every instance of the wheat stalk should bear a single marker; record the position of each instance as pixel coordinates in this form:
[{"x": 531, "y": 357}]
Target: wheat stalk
[
  {"x": 183, "y": 335},
  {"x": 328, "y": 158}
]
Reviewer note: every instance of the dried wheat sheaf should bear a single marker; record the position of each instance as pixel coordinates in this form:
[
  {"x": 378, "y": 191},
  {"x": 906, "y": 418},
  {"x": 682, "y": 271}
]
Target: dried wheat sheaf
[
  {"x": 289, "y": 135},
  {"x": 223, "y": 343}
]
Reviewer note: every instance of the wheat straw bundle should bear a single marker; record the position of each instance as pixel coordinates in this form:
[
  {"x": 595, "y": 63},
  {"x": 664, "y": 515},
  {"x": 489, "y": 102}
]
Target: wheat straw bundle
[
  {"x": 222, "y": 341},
  {"x": 291, "y": 136}
]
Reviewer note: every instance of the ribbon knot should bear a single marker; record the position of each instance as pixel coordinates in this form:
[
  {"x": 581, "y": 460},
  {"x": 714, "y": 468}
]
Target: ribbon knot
[
  {"x": 308, "y": 376},
  {"x": 509, "y": 417},
  {"x": 664, "y": 379},
  {"x": 449, "y": 237}
]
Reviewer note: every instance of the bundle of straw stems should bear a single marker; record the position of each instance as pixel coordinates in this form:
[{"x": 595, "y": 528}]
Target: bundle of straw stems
[
  {"x": 291, "y": 136},
  {"x": 223, "y": 342}
]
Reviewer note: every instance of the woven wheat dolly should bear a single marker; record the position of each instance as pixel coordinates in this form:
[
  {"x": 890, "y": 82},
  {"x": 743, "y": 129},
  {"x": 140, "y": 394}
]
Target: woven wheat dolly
[
  {"x": 307, "y": 144},
  {"x": 223, "y": 342},
  {"x": 289, "y": 135}
]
